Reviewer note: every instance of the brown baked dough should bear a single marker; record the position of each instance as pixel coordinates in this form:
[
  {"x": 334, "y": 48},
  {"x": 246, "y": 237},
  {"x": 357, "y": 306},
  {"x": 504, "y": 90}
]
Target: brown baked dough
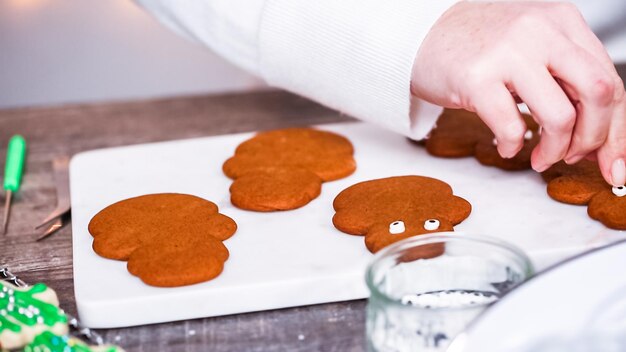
[
  {"x": 376, "y": 208},
  {"x": 284, "y": 169},
  {"x": 168, "y": 239},
  {"x": 460, "y": 133},
  {"x": 583, "y": 184},
  {"x": 275, "y": 189}
]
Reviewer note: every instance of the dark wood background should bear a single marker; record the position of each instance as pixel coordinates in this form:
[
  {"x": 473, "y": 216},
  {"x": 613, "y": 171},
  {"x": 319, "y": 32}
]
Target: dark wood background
[{"x": 67, "y": 130}]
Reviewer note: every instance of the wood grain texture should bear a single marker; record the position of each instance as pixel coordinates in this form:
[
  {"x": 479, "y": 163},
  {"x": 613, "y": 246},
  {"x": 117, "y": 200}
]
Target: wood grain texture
[{"x": 67, "y": 130}]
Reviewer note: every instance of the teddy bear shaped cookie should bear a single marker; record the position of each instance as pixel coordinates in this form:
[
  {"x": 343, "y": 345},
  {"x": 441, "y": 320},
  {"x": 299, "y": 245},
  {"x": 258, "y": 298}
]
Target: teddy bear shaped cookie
[
  {"x": 284, "y": 169},
  {"x": 391, "y": 209},
  {"x": 583, "y": 184},
  {"x": 460, "y": 133},
  {"x": 168, "y": 239}
]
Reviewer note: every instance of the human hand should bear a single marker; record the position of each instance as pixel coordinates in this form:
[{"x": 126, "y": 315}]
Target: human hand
[{"x": 485, "y": 57}]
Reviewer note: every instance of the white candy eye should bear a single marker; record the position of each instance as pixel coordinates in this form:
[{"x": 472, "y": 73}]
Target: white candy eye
[
  {"x": 396, "y": 227},
  {"x": 619, "y": 191},
  {"x": 431, "y": 224},
  {"x": 528, "y": 135}
]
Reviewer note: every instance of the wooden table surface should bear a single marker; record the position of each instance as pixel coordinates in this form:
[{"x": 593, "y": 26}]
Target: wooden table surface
[{"x": 67, "y": 130}]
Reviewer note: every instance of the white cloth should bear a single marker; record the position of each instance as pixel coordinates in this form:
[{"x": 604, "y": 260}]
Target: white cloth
[{"x": 355, "y": 56}]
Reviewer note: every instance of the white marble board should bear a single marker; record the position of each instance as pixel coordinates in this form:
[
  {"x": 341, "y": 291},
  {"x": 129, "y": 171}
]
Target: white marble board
[{"x": 293, "y": 258}]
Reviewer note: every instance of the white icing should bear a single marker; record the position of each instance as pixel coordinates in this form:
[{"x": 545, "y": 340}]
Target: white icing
[
  {"x": 619, "y": 191},
  {"x": 528, "y": 135},
  {"x": 396, "y": 227},
  {"x": 431, "y": 224}
]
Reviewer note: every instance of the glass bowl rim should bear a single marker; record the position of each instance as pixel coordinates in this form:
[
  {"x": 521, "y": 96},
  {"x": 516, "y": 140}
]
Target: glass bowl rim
[{"x": 439, "y": 237}]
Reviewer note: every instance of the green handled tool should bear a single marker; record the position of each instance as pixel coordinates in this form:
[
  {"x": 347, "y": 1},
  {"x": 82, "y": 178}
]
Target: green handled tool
[{"x": 16, "y": 153}]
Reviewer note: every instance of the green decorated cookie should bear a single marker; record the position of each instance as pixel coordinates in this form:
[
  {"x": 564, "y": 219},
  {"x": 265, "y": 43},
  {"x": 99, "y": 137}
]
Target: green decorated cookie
[
  {"x": 49, "y": 342},
  {"x": 26, "y": 313}
]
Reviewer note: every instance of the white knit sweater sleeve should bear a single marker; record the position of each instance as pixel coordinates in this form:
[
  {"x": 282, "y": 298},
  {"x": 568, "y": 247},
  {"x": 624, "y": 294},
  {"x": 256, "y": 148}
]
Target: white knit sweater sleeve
[{"x": 355, "y": 56}]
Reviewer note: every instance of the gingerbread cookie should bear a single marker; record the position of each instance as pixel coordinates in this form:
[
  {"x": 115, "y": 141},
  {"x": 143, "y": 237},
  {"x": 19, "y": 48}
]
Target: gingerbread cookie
[
  {"x": 284, "y": 169},
  {"x": 27, "y": 312},
  {"x": 391, "y": 209},
  {"x": 168, "y": 239},
  {"x": 583, "y": 184},
  {"x": 461, "y": 133}
]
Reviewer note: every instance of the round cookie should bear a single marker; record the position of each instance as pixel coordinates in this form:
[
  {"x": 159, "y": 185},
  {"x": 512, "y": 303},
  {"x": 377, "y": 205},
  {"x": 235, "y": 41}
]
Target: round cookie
[
  {"x": 609, "y": 208},
  {"x": 461, "y": 133},
  {"x": 169, "y": 239},
  {"x": 275, "y": 189},
  {"x": 326, "y": 154},
  {"x": 583, "y": 184},
  {"x": 204, "y": 260},
  {"x": 391, "y": 209},
  {"x": 574, "y": 184},
  {"x": 284, "y": 169}
]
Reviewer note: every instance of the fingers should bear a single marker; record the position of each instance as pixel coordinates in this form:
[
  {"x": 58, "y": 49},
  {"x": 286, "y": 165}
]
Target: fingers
[
  {"x": 578, "y": 31},
  {"x": 497, "y": 108},
  {"x": 612, "y": 151},
  {"x": 592, "y": 157},
  {"x": 612, "y": 155},
  {"x": 591, "y": 88},
  {"x": 551, "y": 108}
]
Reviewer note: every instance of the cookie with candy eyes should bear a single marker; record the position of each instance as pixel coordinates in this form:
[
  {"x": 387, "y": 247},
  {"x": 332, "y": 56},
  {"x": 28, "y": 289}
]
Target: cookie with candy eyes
[
  {"x": 284, "y": 169},
  {"x": 583, "y": 184},
  {"x": 380, "y": 235},
  {"x": 168, "y": 239},
  {"x": 461, "y": 133},
  {"x": 391, "y": 209}
]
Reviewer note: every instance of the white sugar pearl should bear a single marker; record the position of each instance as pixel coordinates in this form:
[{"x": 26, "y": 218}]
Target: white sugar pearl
[
  {"x": 619, "y": 191},
  {"x": 495, "y": 142},
  {"x": 396, "y": 227},
  {"x": 528, "y": 135},
  {"x": 431, "y": 224}
]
